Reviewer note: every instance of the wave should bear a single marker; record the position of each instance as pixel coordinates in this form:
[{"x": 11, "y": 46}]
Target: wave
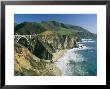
[
  {"x": 82, "y": 48},
  {"x": 69, "y": 57},
  {"x": 73, "y": 62},
  {"x": 85, "y": 44},
  {"x": 87, "y": 40}
]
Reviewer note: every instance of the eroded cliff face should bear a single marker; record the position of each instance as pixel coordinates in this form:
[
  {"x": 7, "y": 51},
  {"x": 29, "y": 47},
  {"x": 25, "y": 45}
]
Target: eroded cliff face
[
  {"x": 27, "y": 64},
  {"x": 44, "y": 45},
  {"x": 59, "y": 42}
]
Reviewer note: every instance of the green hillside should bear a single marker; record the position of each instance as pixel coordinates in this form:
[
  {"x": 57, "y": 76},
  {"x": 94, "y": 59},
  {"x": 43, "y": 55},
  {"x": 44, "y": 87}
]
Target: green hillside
[
  {"x": 28, "y": 28},
  {"x": 32, "y": 28},
  {"x": 36, "y": 55}
]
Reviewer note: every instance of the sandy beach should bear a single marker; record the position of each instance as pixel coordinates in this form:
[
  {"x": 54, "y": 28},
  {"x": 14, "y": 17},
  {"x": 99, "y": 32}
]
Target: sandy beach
[{"x": 58, "y": 54}]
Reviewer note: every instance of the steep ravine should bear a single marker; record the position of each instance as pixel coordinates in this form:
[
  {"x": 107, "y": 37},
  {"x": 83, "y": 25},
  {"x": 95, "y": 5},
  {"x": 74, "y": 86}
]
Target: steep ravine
[
  {"x": 44, "y": 46},
  {"x": 27, "y": 64}
]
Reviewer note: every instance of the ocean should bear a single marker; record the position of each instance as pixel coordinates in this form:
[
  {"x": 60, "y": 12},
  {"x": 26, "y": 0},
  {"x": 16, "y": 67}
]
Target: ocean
[{"x": 81, "y": 61}]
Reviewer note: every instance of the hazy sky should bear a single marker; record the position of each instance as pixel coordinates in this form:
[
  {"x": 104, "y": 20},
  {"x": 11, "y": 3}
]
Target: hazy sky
[{"x": 87, "y": 21}]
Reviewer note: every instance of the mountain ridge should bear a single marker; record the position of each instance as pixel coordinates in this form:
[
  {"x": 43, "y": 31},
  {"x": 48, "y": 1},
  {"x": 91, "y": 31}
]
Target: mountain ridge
[{"x": 38, "y": 27}]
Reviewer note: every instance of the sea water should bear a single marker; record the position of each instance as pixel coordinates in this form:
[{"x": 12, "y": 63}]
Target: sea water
[{"x": 81, "y": 61}]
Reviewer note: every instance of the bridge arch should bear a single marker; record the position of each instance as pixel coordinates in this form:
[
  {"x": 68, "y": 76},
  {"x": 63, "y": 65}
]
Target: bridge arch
[{"x": 24, "y": 41}]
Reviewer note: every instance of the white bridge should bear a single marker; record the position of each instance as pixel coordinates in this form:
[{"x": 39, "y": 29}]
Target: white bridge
[
  {"x": 27, "y": 37},
  {"x": 30, "y": 41}
]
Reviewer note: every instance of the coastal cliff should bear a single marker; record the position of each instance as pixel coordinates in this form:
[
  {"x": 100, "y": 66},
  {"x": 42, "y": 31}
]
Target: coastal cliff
[
  {"x": 27, "y": 64},
  {"x": 38, "y": 45}
]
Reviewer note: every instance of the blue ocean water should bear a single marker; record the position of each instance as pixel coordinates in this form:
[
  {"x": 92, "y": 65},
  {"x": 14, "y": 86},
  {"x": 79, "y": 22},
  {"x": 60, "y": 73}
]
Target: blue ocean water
[{"x": 81, "y": 61}]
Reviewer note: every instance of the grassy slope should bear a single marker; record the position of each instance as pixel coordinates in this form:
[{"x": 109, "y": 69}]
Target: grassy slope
[{"x": 26, "y": 64}]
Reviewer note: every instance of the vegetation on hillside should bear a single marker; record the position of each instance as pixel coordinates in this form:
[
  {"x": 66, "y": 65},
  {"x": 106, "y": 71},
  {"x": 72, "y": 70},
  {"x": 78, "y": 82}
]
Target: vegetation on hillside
[
  {"x": 27, "y": 64},
  {"x": 31, "y": 55}
]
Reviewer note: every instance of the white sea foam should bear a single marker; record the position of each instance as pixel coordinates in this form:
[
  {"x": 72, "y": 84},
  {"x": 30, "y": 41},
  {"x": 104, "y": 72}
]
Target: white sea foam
[
  {"x": 73, "y": 56},
  {"x": 87, "y": 40},
  {"x": 70, "y": 55}
]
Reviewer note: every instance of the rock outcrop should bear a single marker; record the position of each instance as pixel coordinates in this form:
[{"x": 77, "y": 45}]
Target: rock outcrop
[{"x": 59, "y": 42}]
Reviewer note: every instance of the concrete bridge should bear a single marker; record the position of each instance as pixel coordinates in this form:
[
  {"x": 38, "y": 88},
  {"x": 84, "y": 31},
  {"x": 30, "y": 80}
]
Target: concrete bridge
[
  {"x": 27, "y": 37},
  {"x": 28, "y": 41},
  {"x": 35, "y": 44}
]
